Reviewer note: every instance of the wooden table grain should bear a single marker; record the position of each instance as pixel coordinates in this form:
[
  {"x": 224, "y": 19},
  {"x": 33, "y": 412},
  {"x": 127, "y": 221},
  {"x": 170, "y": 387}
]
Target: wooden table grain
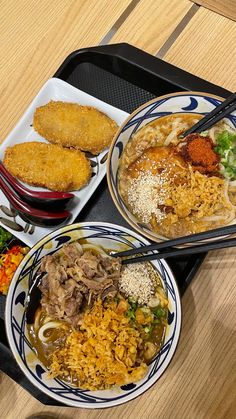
[
  {"x": 207, "y": 47},
  {"x": 151, "y": 23},
  {"x": 35, "y": 37},
  {"x": 225, "y": 8}
]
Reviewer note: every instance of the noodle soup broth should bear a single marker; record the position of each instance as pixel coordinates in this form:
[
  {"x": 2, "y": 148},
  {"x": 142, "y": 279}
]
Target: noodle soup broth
[
  {"x": 175, "y": 186},
  {"x": 99, "y": 324}
]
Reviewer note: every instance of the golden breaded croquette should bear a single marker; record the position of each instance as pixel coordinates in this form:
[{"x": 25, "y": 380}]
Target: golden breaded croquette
[
  {"x": 72, "y": 125},
  {"x": 48, "y": 165}
]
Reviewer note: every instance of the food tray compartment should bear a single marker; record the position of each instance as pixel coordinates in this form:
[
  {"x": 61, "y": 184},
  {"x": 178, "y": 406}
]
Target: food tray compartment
[{"x": 125, "y": 77}]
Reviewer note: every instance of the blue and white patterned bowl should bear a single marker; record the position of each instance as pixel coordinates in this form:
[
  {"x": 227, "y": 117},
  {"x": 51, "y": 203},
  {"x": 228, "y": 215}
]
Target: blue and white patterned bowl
[
  {"x": 110, "y": 236},
  {"x": 181, "y": 102}
]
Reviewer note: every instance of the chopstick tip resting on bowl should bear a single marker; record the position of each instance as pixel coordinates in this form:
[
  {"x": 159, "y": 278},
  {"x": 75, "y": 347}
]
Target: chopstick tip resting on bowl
[{"x": 220, "y": 111}]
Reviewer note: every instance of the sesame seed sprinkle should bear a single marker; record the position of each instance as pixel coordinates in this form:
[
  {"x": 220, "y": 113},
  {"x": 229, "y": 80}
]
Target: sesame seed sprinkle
[
  {"x": 144, "y": 196},
  {"x": 136, "y": 282}
]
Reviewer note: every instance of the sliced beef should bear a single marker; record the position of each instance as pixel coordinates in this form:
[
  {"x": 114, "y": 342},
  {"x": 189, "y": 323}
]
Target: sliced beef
[
  {"x": 110, "y": 292},
  {"x": 75, "y": 279},
  {"x": 72, "y": 251}
]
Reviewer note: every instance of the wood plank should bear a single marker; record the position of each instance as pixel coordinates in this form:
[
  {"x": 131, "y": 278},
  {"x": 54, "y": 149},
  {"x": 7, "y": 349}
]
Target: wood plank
[
  {"x": 33, "y": 48},
  {"x": 225, "y": 8},
  {"x": 207, "y": 48},
  {"x": 151, "y": 23}
]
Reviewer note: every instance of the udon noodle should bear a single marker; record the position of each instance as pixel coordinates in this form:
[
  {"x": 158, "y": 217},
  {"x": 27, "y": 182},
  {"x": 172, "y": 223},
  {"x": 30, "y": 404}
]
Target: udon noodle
[{"x": 177, "y": 187}]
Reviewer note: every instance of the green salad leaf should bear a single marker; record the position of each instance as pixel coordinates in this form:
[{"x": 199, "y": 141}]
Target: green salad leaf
[
  {"x": 5, "y": 236},
  {"x": 226, "y": 148}
]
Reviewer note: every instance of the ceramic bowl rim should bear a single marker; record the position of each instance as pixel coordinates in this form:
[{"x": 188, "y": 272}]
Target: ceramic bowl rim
[
  {"x": 8, "y": 316},
  {"x": 132, "y": 224}
]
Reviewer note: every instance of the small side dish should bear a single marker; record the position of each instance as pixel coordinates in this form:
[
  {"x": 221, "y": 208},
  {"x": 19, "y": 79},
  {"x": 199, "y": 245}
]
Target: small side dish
[
  {"x": 10, "y": 258},
  {"x": 62, "y": 176},
  {"x": 98, "y": 324}
]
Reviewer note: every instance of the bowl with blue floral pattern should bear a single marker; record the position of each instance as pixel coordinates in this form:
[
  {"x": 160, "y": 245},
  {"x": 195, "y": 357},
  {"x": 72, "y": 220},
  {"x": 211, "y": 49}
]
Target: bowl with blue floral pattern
[
  {"x": 99, "y": 366},
  {"x": 166, "y": 185}
]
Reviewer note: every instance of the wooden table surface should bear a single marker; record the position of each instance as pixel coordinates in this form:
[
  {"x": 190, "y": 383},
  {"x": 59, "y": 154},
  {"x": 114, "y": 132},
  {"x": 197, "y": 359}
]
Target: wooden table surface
[{"x": 35, "y": 37}]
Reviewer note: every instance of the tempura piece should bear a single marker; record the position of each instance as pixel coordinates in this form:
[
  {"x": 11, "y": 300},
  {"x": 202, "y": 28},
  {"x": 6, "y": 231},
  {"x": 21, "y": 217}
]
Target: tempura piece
[
  {"x": 72, "y": 125},
  {"x": 103, "y": 353},
  {"x": 48, "y": 165}
]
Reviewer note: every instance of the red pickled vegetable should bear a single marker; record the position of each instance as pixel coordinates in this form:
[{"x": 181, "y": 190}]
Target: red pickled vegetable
[{"x": 9, "y": 261}]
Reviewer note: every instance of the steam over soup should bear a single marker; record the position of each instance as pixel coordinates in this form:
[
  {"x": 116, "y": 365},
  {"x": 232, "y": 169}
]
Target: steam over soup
[
  {"x": 98, "y": 324},
  {"x": 180, "y": 187}
]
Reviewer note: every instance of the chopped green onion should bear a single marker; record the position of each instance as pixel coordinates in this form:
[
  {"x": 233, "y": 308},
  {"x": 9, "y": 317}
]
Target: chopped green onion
[
  {"x": 147, "y": 329},
  {"x": 159, "y": 312},
  {"x": 226, "y": 148}
]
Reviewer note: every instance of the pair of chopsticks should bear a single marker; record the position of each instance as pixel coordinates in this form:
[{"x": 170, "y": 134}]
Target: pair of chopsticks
[
  {"x": 224, "y": 109},
  {"x": 166, "y": 251}
]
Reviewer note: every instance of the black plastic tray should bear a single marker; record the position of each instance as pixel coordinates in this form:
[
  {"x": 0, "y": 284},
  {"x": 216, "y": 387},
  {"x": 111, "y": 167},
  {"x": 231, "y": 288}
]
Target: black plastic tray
[{"x": 124, "y": 77}]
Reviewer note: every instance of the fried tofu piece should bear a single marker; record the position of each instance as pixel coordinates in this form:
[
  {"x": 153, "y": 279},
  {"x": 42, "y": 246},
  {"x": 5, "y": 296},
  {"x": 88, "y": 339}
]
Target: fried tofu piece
[
  {"x": 48, "y": 165},
  {"x": 72, "y": 125}
]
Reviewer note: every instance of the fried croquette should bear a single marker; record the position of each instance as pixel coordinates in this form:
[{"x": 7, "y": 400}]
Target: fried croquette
[
  {"x": 48, "y": 165},
  {"x": 72, "y": 125}
]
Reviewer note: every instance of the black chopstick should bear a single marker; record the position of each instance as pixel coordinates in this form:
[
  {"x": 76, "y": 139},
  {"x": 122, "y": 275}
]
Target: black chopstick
[
  {"x": 221, "y": 244},
  {"x": 205, "y": 235},
  {"x": 225, "y": 108}
]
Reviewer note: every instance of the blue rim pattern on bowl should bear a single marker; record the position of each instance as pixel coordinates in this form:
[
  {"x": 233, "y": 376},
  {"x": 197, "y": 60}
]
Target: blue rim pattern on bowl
[
  {"x": 195, "y": 102},
  {"x": 16, "y": 321}
]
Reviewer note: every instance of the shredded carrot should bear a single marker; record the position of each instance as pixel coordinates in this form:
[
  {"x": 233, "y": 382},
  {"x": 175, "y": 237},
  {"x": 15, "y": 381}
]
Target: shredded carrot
[{"x": 9, "y": 261}]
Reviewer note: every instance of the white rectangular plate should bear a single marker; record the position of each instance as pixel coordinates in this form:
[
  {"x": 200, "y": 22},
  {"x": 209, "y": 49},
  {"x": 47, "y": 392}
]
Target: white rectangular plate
[{"x": 54, "y": 89}]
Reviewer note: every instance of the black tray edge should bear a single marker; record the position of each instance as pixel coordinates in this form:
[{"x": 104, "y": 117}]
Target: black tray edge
[{"x": 145, "y": 63}]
